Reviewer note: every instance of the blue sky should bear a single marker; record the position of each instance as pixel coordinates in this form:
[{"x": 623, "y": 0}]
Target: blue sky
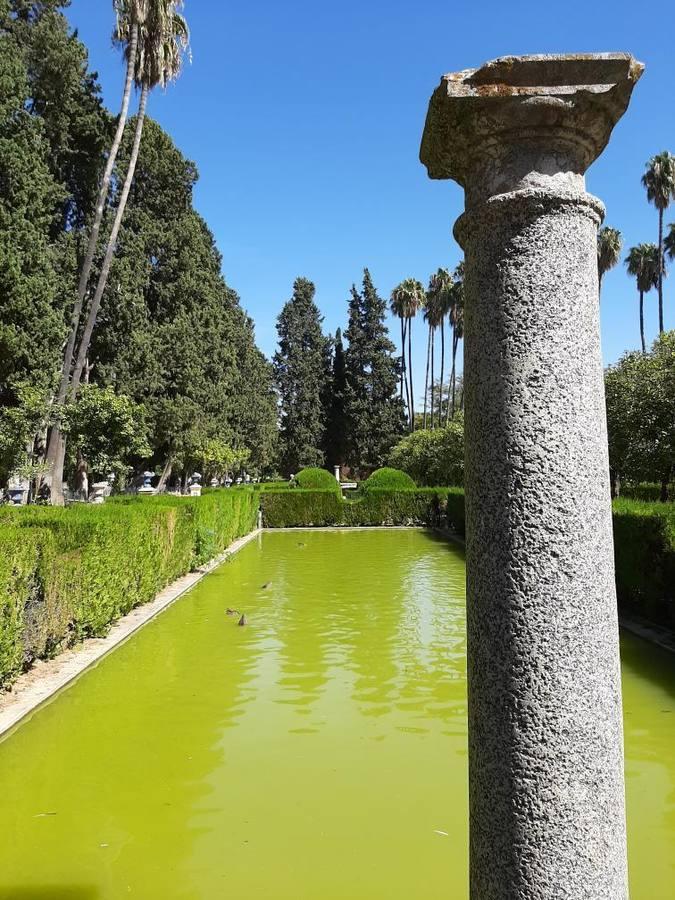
[{"x": 305, "y": 119}]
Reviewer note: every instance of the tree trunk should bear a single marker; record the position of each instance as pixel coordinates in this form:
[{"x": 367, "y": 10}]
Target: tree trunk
[
  {"x": 642, "y": 321},
  {"x": 440, "y": 398},
  {"x": 455, "y": 342},
  {"x": 433, "y": 343},
  {"x": 660, "y": 271},
  {"x": 110, "y": 249},
  {"x": 410, "y": 376},
  {"x": 426, "y": 380},
  {"x": 402, "y": 355},
  {"x": 55, "y": 452},
  {"x": 614, "y": 483},
  {"x": 166, "y": 474},
  {"x": 405, "y": 377},
  {"x": 665, "y": 481}
]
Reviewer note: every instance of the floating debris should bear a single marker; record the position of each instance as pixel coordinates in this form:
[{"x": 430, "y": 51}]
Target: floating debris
[
  {"x": 266, "y": 585},
  {"x": 243, "y": 621},
  {"x": 438, "y": 831},
  {"x": 232, "y": 612},
  {"x": 44, "y": 815}
]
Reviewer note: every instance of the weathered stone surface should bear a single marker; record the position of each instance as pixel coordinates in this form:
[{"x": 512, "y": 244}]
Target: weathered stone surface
[
  {"x": 529, "y": 121},
  {"x": 545, "y": 730}
]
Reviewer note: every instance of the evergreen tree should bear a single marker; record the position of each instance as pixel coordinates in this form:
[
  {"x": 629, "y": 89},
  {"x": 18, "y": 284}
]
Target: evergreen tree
[
  {"x": 31, "y": 324},
  {"x": 374, "y": 413},
  {"x": 301, "y": 367},
  {"x": 336, "y": 429}
]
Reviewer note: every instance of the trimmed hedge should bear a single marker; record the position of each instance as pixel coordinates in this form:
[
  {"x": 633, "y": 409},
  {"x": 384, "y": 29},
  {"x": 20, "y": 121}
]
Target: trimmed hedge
[
  {"x": 646, "y": 491},
  {"x": 67, "y": 574},
  {"x": 299, "y": 508},
  {"x": 317, "y": 480},
  {"x": 388, "y": 479}
]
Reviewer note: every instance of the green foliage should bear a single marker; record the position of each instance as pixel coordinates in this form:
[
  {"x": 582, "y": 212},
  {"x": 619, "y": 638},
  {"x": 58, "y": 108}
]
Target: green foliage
[
  {"x": 640, "y": 393},
  {"x": 301, "y": 367},
  {"x": 317, "y": 479},
  {"x": 432, "y": 457},
  {"x": 335, "y": 441},
  {"x": 107, "y": 428},
  {"x": 644, "y": 557},
  {"x": 66, "y": 574},
  {"x": 301, "y": 508},
  {"x": 649, "y": 492},
  {"x": 374, "y": 412},
  {"x": 388, "y": 479}
]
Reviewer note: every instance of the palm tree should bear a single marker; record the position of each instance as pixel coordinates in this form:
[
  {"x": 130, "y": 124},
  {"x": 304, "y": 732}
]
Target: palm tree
[
  {"x": 56, "y": 448},
  {"x": 659, "y": 182},
  {"x": 164, "y": 38},
  {"x": 407, "y": 299},
  {"x": 398, "y": 308},
  {"x": 609, "y": 251},
  {"x": 440, "y": 289},
  {"x": 669, "y": 242},
  {"x": 643, "y": 263},
  {"x": 457, "y": 322},
  {"x": 432, "y": 316}
]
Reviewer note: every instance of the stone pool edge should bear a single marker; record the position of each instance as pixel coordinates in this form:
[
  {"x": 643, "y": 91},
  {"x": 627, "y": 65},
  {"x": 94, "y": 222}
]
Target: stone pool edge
[{"x": 47, "y": 678}]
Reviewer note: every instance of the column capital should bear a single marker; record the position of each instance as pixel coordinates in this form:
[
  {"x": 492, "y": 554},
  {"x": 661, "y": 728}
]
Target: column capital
[{"x": 526, "y": 122}]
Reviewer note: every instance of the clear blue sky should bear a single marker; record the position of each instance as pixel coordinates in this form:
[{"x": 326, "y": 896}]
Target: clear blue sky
[{"x": 305, "y": 120}]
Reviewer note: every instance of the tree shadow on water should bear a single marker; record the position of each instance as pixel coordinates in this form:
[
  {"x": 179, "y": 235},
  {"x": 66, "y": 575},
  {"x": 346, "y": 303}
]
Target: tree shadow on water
[{"x": 50, "y": 892}]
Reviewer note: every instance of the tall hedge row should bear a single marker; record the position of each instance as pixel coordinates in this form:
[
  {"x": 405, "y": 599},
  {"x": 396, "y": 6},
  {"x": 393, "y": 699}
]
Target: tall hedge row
[
  {"x": 298, "y": 508},
  {"x": 67, "y": 574}
]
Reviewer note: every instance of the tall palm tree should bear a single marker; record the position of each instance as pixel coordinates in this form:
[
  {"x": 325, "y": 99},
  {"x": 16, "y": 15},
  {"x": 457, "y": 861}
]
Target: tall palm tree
[
  {"x": 659, "y": 182},
  {"x": 642, "y": 263},
  {"x": 407, "y": 299},
  {"x": 609, "y": 251},
  {"x": 56, "y": 448},
  {"x": 457, "y": 322},
  {"x": 440, "y": 289},
  {"x": 669, "y": 241},
  {"x": 432, "y": 316},
  {"x": 398, "y": 308},
  {"x": 164, "y": 38}
]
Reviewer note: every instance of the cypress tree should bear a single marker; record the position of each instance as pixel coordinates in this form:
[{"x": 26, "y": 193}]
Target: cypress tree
[
  {"x": 336, "y": 437},
  {"x": 301, "y": 371},
  {"x": 374, "y": 413}
]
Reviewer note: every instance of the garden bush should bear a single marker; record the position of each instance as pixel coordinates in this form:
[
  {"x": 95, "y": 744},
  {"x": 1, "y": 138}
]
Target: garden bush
[
  {"x": 389, "y": 480},
  {"x": 67, "y": 574},
  {"x": 432, "y": 457},
  {"x": 297, "y": 508},
  {"x": 317, "y": 480}
]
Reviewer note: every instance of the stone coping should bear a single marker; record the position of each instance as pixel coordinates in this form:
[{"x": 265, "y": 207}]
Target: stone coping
[{"x": 47, "y": 678}]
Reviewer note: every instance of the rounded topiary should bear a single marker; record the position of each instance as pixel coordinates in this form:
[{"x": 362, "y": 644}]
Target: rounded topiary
[
  {"x": 316, "y": 480},
  {"x": 388, "y": 480}
]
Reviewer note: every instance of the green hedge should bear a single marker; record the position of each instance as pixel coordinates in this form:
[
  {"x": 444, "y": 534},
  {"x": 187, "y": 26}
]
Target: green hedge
[
  {"x": 299, "y": 508},
  {"x": 317, "y": 480},
  {"x": 67, "y": 574},
  {"x": 388, "y": 479},
  {"x": 648, "y": 492}
]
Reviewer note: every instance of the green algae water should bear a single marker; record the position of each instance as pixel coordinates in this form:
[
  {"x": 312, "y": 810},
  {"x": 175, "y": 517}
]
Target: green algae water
[{"x": 319, "y": 753}]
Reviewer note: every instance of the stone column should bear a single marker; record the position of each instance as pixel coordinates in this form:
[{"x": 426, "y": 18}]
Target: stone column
[{"x": 547, "y": 817}]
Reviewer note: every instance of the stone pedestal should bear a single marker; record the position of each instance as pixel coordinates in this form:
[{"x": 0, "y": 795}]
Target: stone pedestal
[{"x": 547, "y": 816}]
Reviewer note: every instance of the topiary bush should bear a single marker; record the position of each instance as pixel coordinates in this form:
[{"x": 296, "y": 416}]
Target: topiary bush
[
  {"x": 389, "y": 480},
  {"x": 317, "y": 480}
]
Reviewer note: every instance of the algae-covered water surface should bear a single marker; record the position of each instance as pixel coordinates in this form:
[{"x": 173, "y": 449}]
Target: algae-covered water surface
[{"x": 319, "y": 752}]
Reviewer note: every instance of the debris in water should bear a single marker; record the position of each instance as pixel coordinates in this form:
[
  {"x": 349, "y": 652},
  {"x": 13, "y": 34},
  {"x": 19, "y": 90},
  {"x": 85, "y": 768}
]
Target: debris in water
[
  {"x": 266, "y": 585},
  {"x": 44, "y": 815},
  {"x": 438, "y": 831},
  {"x": 232, "y": 612},
  {"x": 243, "y": 621}
]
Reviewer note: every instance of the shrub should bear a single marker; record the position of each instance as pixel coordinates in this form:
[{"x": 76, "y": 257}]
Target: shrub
[
  {"x": 649, "y": 492},
  {"x": 424, "y": 506},
  {"x": 432, "y": 457},
  {"x": 317, "y": 480},
  {"x": 389, "y": 480},
  {"x": 67, "y": 574},
  {"x": 293, "y": 509}
]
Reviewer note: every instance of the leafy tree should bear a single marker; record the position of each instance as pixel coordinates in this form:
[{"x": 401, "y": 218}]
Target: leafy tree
[
  {"x": 107, "y": 430},
  {"x": 407, "y": 299},
  {"x": 640, "y": 392},
  {"x": 433, "y": 458},
  {"x": 659, "y": 182},
  {"x": 301, "y": 367},
  {"x": 642, "y": 263},
  {"x": 373, "y": 409},
  {"x": 336, "y": 424},
  {"x": 30, "y": 316},
  {"x": 609, "y": 251}
]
